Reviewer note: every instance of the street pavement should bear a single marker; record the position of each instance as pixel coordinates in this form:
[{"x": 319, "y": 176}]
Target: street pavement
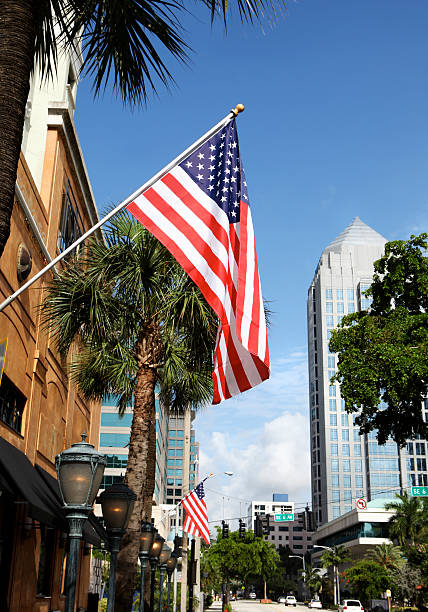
[{"x": 254, "y": 605}]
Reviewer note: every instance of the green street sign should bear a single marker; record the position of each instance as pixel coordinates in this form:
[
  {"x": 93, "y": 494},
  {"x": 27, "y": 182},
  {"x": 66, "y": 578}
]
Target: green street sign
[
  {"x": 420, "y": 491},
  {"x": 289, "y": 516}
]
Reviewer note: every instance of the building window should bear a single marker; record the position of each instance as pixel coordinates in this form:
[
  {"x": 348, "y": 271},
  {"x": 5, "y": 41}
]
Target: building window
[
  {"x": 335, "y": 465},
  {"x": 410, "y": 448},
  {"x": 339, "y": 294},
  {"x": 329, "y": 294},
  {"x": 340, "y": 307},
  {"x": 333, "y": 420},
  {"x": 345, "y": 434},
  {"x": 358, "y": 465},
  {"x": 71, "y": 224},
  {"x": 107, "y": 481},
  {"x": 117, "y": 461},
  {"x": 347, "y": 481},
  {"x": 109, "y": 419},
  {"x": 357, "y": 450},
  {"x": 422, "y": 464},
  {"x": 46, "y": 555},
  {"x": 359, "y": 482},
  {"x": 351, "y": 307},
  {"x": 334, "y": 450},
  {"x": 333, "y": 434},
  {"x": 180, "y": 433},
  {"x": 420, "y": 448},
  {"x": 344, "y": 420},
  {"x": 422, "y": 480},
  {"x": 332, "y": 405},
  {"x": 332, "y": 391},
  {"x": 170, "y": 491},
  {"x": 329, "y": 321},
  {"x": 357, "y": 436},
  {"x": 345, "y": 450},
  {"x": 335, "y": 480},
  {"x": 12, "y": 404},
  {"x": 335, "y": 495},
  {"x": 331, "y": 361},
  {"x": 114, "y": 439},
  {"x": 336, "y": 512},
  {"x": 329, "y": 307},
  {"x": 346, "y": 465},
  {"x": 347, "y": 496}
]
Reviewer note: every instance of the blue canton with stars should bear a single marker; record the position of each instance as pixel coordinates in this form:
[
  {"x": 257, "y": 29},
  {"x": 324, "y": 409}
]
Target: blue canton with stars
[
  {"x": 199, "y": 490},
  {"x": 216, "y": 168}
]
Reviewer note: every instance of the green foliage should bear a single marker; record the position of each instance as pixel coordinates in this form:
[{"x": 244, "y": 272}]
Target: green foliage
[
  {"x": 383, "y": 352},
  {"x": 387, "y": 556},
  {"x": 120, "y": 295},
  {"x": 367, "y": 579},
  {"x": 406, "y": 580},
  {"x": 409, "y": 517},
  {"x": 208, "y": 600},
  {"x": 336, "y": 556}
]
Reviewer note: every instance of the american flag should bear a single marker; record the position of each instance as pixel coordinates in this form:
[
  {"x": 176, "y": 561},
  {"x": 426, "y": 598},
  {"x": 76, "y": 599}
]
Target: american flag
[
  {"x": 200, "y": 212},
  {"x": 196, "y": 521}
]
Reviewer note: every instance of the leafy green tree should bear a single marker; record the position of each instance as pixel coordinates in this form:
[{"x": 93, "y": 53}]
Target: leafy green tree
[
  {"x": 383, "y": 352},
  {"x": 335, "y": 557},
  {"x": 240, "y": 558},
  {"x": 409, "y": 517},
  {"x": 406, "y": 579},
  {"x": 386, "y": 555},
  {"x": 367, "y": 579},
  {"x": 313, "y": 579},
  {"x": 124, "y": 43},
  {"x": 139, "y": 322}
]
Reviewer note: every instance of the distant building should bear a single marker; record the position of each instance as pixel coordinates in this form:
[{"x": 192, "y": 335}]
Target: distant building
[
  {"x": 287, "y": 533},
  {"x": 183, "y": 460},
  {"x": 346, "y": 465}
]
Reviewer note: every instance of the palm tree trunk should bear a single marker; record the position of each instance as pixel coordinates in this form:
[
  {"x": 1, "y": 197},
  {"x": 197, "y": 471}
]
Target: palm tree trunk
[
  {"x": 140, "y": 477},
  {"x": 17, "y": 38}
]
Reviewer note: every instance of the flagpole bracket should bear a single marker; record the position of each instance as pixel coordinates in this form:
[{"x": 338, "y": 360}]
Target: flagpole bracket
[{"x": 238, "y": 109}]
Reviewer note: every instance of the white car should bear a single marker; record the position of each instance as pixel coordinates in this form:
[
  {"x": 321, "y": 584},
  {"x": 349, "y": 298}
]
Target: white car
[
  {"x": 281, "y": 599},
  {"x": 315, "y": 603},
  {"x": 253, "y": 596},
  {"x": 290, "y": 600},
  {"x": 351, "y": 605}
]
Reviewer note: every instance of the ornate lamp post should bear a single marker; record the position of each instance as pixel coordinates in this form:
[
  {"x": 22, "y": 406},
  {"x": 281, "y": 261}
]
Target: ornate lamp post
[
  {"x": 117, "y": 503},
  {"x": 155, "y": 552},
  {"x": 80, "y": 470},
  {"x": 171, "y": 564},
  {"x": 163, "y": 559},
  {"x": 147, "y": 536}
]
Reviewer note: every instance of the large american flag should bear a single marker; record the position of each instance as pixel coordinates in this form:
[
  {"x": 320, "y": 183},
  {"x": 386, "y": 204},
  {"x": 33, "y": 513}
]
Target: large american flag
[
  {"x": 200, "y": 211},
  {"x": 196, "y": 521}
]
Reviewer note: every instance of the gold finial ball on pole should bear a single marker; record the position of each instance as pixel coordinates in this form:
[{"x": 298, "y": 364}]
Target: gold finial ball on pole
[{"x": 238, "y": 109}]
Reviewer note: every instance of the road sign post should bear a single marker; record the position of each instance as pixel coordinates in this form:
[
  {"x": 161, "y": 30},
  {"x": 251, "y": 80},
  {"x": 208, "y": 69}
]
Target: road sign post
[
  {"x": 420, "y": 491},
  {"x": 283, "y": 516}
]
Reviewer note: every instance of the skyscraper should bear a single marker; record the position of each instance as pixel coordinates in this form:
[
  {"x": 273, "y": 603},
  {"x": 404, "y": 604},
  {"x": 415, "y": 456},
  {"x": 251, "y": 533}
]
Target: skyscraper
[{"x": 345, "y": 465}]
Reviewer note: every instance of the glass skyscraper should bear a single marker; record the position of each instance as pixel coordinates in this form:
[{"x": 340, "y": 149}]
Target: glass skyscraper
[{"x": 345, "y": 465}]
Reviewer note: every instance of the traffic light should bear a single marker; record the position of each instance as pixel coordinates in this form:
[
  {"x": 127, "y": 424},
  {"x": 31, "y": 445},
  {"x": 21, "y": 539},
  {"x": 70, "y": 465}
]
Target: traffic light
[
  {"x": 265, "y": 523},
  {"x": 241, "y": 528},
  {"x": 258, "y": 527},
  {"x": 224, "y": 529}
]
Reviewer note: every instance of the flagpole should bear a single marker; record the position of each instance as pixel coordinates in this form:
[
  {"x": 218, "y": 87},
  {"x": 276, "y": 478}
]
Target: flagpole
[{"x": 233, "y": 113}]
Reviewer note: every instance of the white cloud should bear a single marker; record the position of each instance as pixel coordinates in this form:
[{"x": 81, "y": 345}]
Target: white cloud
[{"x": 263, "y": 437}]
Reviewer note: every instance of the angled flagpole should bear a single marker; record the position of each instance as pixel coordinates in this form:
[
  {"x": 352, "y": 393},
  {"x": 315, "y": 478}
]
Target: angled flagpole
[{"x": 233, "y": 113}]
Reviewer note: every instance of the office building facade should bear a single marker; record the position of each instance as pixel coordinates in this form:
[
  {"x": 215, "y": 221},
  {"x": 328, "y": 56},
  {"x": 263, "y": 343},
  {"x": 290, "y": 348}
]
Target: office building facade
[{"x": 345, "y": 465}]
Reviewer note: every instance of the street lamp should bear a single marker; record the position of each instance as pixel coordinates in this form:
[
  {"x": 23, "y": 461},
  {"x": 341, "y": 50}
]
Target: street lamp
[
  {"x": 163, "y": 559},
  {"x": 336, "y": 587},
  {"x": 147, "y": 536},
  {"x": 117, "y": 503},
  {"x": 171, "y": 564},
  {"x": 154, "y": 555},
  {"x": 80, "y": 470},
  {"x": 302, "y": 557}
]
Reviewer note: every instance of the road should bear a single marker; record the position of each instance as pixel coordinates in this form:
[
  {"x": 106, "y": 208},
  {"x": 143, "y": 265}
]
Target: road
[{"x": 251, "y": 605}]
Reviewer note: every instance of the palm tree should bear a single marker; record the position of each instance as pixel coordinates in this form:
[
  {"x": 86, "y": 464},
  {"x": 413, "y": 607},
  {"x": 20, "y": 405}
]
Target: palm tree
[
  {"x": 140, "y": 322},
  {"x": 123, "y": 40},
  {"x": 408, "y": 518},
  {"x": 313, "y": 579},
  {"x": 335, "y": 556},
  {"x": 387, "y": 555}
]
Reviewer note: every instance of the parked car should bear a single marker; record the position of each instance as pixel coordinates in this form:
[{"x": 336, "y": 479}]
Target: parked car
[
  {"x": 290, "y": 600},
  {"x": 351, "y": 605},
  {"x": 253, "y": 595},
  {"x": 281, "y": 599},
  {"x": 315, "y": 603}
]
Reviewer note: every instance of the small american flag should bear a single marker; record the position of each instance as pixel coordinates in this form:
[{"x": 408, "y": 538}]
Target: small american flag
[
  {"x": 196, "y": 521},
  {"x": 200, "y": 212}
]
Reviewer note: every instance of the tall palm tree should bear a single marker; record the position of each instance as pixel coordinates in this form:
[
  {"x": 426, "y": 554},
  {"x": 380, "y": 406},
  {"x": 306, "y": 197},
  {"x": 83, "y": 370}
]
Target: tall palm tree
[
  {"x": 334, "y": 557},
  {"x": 140, "y": 322},
  {"x": 123, "y": 40},
  {"x": 387, "y": 556},
  {"x": 313, "y": 579},
  {"x": 408, "y": 518}
]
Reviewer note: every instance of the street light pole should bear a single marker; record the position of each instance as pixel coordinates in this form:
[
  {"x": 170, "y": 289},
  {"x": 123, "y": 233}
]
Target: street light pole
[{"x": 302, "y": 557}]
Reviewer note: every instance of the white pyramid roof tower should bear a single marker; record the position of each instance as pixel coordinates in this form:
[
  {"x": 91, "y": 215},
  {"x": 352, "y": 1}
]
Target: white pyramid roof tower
[{"x": 356, "y": 234}]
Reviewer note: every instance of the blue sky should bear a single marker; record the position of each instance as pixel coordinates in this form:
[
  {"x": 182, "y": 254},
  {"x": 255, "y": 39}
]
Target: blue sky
[{"x": 335, "y": 126}]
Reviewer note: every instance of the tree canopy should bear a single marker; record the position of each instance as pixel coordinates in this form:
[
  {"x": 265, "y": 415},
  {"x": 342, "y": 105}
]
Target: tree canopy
[
  {"x": 367, "y": 579},
  {"x": 383, "y": 351}
]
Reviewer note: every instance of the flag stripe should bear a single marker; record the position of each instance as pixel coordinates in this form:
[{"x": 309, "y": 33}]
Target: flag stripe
[{"x": 199, "y": 211}]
